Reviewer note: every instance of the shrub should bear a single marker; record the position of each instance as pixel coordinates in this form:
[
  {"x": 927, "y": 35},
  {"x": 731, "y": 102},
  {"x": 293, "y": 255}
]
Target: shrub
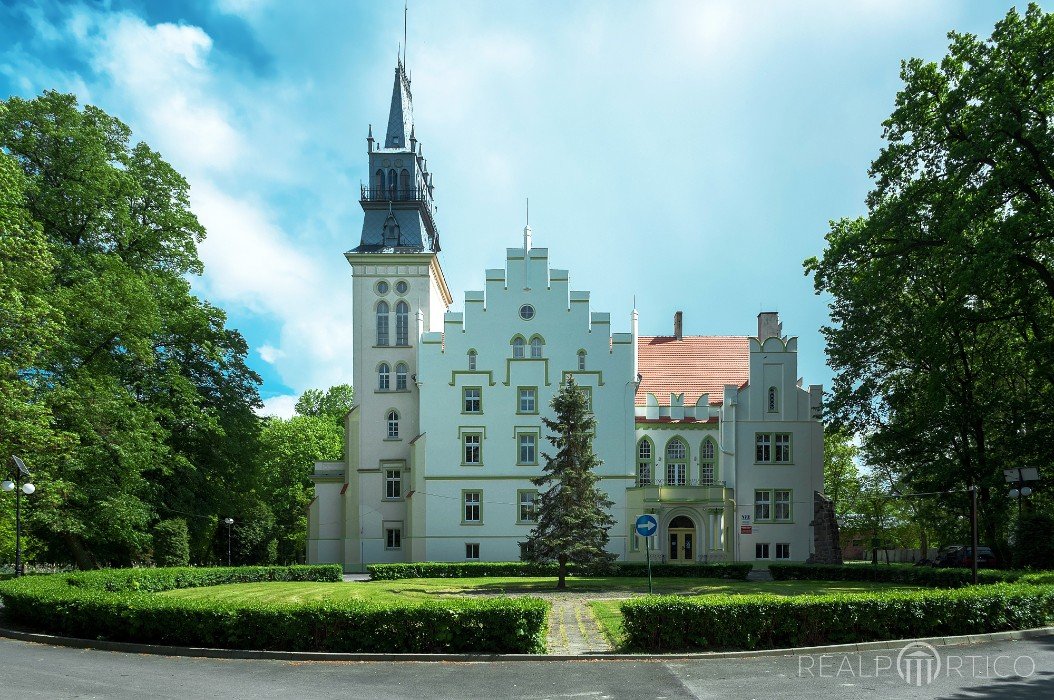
[
  {"x": 673, "y": 623},
  {"x": 389, "y": 572},
  {"x": 121, "y": 605},
  {"x": 172, "y": 543},
  {"x": 890, "y": 573},
  {"x": 1033, "y": 544}
]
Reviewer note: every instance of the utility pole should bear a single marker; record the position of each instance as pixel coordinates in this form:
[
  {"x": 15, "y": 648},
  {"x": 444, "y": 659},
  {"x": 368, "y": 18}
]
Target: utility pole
[{"x": 973, "y": 533}]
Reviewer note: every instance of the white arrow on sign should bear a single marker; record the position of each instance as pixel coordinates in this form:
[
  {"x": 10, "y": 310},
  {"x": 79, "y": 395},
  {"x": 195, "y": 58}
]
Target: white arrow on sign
[{"x": 646, "y": 525}]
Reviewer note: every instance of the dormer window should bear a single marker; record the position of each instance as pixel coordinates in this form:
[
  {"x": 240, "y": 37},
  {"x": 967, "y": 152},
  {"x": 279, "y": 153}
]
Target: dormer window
[{"x": 391, "y": 231}]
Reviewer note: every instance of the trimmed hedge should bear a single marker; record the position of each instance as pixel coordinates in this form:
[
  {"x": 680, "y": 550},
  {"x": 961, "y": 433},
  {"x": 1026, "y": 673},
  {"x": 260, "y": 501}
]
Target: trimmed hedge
[
  {"x": 710, "y": 623},
  {"x": 892, "y": 573},
  {"x": 391, "y": 572},
  {"x": 121, "y": 605}
]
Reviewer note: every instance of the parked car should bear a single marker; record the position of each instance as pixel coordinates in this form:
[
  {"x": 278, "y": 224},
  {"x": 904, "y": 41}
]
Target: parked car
[
  {"x": 961, "y": 556},
  {"x": 944, "y": 553}
]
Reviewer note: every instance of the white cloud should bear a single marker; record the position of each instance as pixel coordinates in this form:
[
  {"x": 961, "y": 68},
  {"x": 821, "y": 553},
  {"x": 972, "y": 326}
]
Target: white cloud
[
  {"x": 278, "y": 406},
  {"x": 270, "y": 354},
  {"x": 160, "y": 75}
]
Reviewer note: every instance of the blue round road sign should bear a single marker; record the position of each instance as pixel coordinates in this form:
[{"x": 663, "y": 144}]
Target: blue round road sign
[{"x": 646, "y": 525}]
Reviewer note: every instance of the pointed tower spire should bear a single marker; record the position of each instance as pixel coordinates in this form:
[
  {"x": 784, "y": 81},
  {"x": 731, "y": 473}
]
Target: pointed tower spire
[{"x": 401, "y": 115}]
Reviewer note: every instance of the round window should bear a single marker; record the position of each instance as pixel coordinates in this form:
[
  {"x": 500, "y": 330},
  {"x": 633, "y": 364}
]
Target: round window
[
  {"x": 382, "y": 287},
  {"x": 526, "y": 312},
  {"x": 401, "y": 287}
]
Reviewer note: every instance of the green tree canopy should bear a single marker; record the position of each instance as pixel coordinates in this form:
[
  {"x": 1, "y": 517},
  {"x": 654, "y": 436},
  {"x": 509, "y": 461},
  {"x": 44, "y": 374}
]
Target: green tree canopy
[
  {"x": 943, "y": 296},
  {"x": 137, "y": 402}
]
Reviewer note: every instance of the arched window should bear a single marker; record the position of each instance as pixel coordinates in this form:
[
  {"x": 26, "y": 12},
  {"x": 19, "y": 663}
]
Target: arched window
[
  {"x": 393, "y": 424},
  {"x": 581, "y": 360},
  {"x": 773, "y": 400},
  {"x": 472, "y": 360},
  {"x": 536, "y": 347},
  {"x": 382, "y": 323},
  {"x": 400, "y": 377},
  {"x": 384, "y": 377},
  {"x": 404, "y": 184},
  {"x": 707, "y": 462},
  {"x": 379, "y": 183},
  {"x": 517, "y": 348},
  {"x": 402, "y": 323},
  {"x": 393, "y": 183},
  {"x": 676, "y": 462},
  {"x": 644, "y": 462}
]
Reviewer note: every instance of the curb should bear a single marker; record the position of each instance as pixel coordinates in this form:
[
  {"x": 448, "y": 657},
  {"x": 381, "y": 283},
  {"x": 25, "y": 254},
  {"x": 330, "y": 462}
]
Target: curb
[{"x": 211, "y": 653}]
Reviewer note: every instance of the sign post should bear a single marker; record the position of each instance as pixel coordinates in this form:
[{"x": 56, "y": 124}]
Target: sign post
[{"x": 646, "y": 526}]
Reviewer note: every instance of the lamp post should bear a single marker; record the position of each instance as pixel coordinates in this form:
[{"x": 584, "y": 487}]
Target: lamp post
[
  {"x": 20, "y": 485},
  {"x": 228, "y": 522}
]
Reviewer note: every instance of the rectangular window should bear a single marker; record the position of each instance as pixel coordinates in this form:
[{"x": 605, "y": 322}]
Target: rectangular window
[
  {"x": 393, "y": 538},
  {"x": 587, "y": 394},
  {"x": 472, "y": 443},
  {"x": 472, "y": 399},
  {"x": 782, "y": 502},
  {"x": 762, "y": 505},
  {"x": 528, "y": 506},
  {"x": 783, "y": 447},
  {"x": 761, "y": 550},
  {"x": 527, "y": 448},
  {"x": 643, "y": 473},
  {"x": 393, "y": 484},
  {"x": 783, "y": 551},
  {"x": 706, "y": 473},
  {"x": 528, "y": 400},
  {"x": 676, "y": 474},
  {"x": 525, "y": 551},
  {"x": 763, "y": 448},
  {"x": 472, "y": 506},
  {"x": 472, "y": 550},
  {"x": 472, "y": 361}
]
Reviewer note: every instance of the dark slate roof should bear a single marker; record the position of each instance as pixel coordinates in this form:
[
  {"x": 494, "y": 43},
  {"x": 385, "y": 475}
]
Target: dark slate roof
[{"x": 401, "y": 115}]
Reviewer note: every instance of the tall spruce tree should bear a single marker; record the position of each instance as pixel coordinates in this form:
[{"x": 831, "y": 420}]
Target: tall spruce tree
[{"x": 573, "y": 518}]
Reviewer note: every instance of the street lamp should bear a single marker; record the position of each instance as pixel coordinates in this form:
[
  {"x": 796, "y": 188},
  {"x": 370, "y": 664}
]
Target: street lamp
[
  {"x": 20, "y": 485},
  {"x": 228, "y": 522}
]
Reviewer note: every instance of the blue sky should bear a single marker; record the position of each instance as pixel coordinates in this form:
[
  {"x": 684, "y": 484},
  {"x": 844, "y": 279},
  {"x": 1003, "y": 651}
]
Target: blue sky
[{"x": 687, "y": 153}]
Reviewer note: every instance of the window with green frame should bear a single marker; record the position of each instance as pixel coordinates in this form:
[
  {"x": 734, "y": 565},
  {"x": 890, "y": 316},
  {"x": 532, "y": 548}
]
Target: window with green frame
[
  {"x": 527, "y": 447},
  {"x": 587, "y": 394},
  {"x": 527, "y": 399},
  {"x": 472, "y": 399},
  {"x": 707, "y": 462},
  {"x": 527, "y": 511}
]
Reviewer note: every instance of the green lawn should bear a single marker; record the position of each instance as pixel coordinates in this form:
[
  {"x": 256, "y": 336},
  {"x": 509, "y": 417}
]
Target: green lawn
[{"x": 425, "y": 589}]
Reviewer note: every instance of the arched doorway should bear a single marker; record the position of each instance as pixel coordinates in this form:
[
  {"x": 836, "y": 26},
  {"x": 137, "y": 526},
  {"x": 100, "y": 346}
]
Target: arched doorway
[{"x": 681, "y": 539}]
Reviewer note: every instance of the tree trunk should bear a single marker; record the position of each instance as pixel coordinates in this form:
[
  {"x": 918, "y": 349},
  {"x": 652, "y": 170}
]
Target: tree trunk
[
  {"x": 561, "y": 583},
  {"x": 81, "y": 556}
]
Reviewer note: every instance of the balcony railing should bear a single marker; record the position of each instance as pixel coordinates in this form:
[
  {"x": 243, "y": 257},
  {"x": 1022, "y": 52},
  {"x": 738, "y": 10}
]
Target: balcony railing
[
  {"x": 688, "y": 482},
  {"x": 384, "y": 194}
]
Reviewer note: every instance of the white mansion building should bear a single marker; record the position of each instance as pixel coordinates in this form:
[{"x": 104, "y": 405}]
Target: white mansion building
[{"x": 715, "y": 435}]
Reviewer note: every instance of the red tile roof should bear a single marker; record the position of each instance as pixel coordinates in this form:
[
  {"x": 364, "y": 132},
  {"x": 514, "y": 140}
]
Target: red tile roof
[{"x": 693, "y": 365}]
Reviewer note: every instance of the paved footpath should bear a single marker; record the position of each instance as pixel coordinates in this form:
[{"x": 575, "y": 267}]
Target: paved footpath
[
  {"x": 38, "y": 671},
  {"x": 572, "y": 627}
]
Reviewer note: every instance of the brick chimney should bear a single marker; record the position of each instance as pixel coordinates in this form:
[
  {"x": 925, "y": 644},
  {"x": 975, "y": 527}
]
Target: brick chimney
[{"x": 677, "y": 329}]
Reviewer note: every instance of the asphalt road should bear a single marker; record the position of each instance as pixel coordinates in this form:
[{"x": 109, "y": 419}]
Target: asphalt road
[{"x": 38, "y": 671}]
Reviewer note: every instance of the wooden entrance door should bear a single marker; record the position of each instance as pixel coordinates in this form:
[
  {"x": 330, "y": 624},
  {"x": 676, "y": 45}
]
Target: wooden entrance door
[{"x": 681, "y": 536}]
